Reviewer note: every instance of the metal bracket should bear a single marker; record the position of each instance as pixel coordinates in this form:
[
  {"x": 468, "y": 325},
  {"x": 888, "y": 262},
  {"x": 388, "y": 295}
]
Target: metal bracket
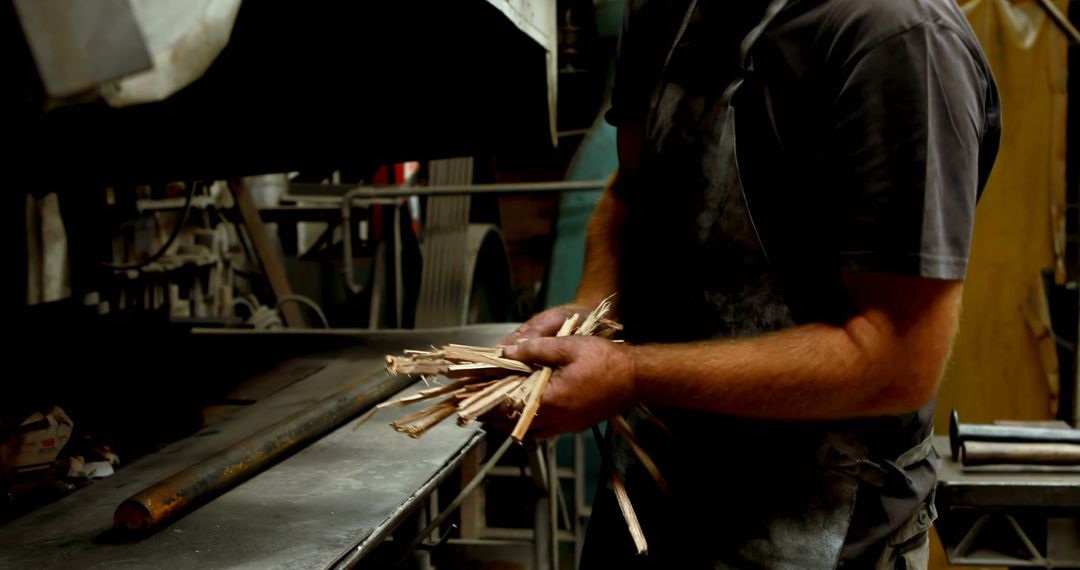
[{"x": 438, "y": 520}]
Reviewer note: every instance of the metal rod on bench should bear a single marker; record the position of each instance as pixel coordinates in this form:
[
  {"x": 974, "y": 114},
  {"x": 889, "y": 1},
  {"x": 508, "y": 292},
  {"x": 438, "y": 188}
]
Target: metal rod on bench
[
  {"x": 960, "y": 433},
  {"x": 172, "y": 497},
  {"x": 996, "y": 452}
]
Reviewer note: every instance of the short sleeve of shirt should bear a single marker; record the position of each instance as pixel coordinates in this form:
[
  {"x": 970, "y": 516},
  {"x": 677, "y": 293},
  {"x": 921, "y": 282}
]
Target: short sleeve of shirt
[{"x": 912, "y": 135}]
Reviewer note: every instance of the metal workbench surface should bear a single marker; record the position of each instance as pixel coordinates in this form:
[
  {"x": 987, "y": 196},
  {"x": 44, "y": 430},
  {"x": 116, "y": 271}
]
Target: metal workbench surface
[
  {"x": 348, "y": 489},
  {"x": 1008, "y": 515},
  {"x": 1006, "y": 486}
]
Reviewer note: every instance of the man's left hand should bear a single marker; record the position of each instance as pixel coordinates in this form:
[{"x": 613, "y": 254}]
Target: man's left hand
[{"x": 594, "y": 379}]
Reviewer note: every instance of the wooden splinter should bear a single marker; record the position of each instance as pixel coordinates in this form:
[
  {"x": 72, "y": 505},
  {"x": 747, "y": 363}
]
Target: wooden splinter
[{"x": 533, "y": 403}]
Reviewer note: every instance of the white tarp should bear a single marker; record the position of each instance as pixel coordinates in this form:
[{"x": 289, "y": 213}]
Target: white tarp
[{"x": 183, "y": 37}]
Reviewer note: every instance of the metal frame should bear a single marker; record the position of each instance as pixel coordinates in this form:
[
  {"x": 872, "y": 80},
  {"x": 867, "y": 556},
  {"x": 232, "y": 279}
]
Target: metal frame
[
  {"x": 1001, "y": 538},
  {"x": 551, "y": 509},
  {"x": 355, "y": 555},
  {"x": 1017, "y": 516},
  {"x": 545, "y": 535},
  {"x": 330, "y": 192},
  {"x": 347, "y": 197}
]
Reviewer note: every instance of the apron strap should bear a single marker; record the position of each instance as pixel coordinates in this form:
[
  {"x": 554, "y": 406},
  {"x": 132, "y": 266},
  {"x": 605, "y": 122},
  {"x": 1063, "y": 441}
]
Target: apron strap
[
  {"x": 916, "y": 454},
  {"x": 881, "y": 473},
  {"x": 771, "y": 12},
  {"x": 679, "y": 34}
]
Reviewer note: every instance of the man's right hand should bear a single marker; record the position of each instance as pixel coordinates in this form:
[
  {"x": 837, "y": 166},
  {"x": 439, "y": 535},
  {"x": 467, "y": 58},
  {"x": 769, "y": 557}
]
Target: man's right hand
[{"x": 546, "y": 323}]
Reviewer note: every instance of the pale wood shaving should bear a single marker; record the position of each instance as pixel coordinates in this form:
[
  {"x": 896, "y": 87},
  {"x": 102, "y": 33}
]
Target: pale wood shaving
[
  {"x": 451, "y": 388},
  {"x": 537, "y": 391},
  {"x": 623, "y": 429},
  {"x": 488, "y": 402},
  {"x": 595, "y": 319},
  {"x": 420, "y": 425},
  {"x": 651, "y": 417},
  {"x": 628, "y": 513},
  {"x": 494, "y": 386},
  {"x": 410, "y": 418},
  {"x": 469, "y": 356}
]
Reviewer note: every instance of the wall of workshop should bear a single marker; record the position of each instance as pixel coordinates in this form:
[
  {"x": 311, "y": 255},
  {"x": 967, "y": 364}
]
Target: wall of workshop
[{"x": 995, "y": 371}]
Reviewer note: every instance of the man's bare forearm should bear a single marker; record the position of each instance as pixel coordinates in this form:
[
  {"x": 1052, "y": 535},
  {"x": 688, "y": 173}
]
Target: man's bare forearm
[
  {"x": 603, "y": 246},
  {"x": 873, "y": 365},
  {"x": 814, "y": 372},
  {"x": 603, "y": 241}
]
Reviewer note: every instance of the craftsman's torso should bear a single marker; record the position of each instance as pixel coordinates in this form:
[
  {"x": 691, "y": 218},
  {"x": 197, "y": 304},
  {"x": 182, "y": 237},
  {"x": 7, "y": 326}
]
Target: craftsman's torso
[{"x": 716, "y": 253}]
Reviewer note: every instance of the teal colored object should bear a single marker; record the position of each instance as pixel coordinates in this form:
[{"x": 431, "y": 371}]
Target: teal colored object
[
  {"x": 596, "y": 159},
  {"x": 609, "y": 17}
]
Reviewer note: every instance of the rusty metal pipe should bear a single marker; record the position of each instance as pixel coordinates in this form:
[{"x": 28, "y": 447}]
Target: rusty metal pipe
[{"x": 170, "y": 498}]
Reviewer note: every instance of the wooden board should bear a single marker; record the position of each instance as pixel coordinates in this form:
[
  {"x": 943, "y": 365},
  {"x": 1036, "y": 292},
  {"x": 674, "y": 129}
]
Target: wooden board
[{"x": 995, "y": 371}]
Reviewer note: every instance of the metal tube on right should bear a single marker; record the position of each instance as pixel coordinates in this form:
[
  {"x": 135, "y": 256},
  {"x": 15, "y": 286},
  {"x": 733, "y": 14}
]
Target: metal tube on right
[
  {"x": 999, "y": 453},
  {"x": 960, "y": 434}
]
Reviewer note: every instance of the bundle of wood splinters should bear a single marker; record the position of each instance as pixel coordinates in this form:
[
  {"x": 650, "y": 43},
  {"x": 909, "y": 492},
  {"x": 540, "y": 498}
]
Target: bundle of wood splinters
[{"x": 483, "y": 382}]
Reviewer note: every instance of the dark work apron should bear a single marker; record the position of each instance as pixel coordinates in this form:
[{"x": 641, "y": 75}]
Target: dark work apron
[{"x": 744, "y": 493}]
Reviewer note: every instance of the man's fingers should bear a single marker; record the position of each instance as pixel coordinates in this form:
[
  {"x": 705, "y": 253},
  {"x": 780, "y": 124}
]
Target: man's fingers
[
  {"x": 546, "y": 350},
  {"x": 511, "y": 338},
  {"x": 537, "y": 326},
  {"x": 545, "y": 324}
]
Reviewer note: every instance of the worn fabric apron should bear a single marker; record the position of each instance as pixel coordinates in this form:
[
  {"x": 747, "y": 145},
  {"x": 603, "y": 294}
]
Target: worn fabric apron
[{"x": 783, "y": 494}]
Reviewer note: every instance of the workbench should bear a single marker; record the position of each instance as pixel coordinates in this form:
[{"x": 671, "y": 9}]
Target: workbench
[
  {"x": 1016, "y": 516},
  {"x": 326, "y": 506}
]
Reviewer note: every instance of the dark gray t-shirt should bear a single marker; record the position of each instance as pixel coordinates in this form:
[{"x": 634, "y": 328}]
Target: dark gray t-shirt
[
  {"x": 866, "y": 131},
  {"x": 890, "y": 103}
]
